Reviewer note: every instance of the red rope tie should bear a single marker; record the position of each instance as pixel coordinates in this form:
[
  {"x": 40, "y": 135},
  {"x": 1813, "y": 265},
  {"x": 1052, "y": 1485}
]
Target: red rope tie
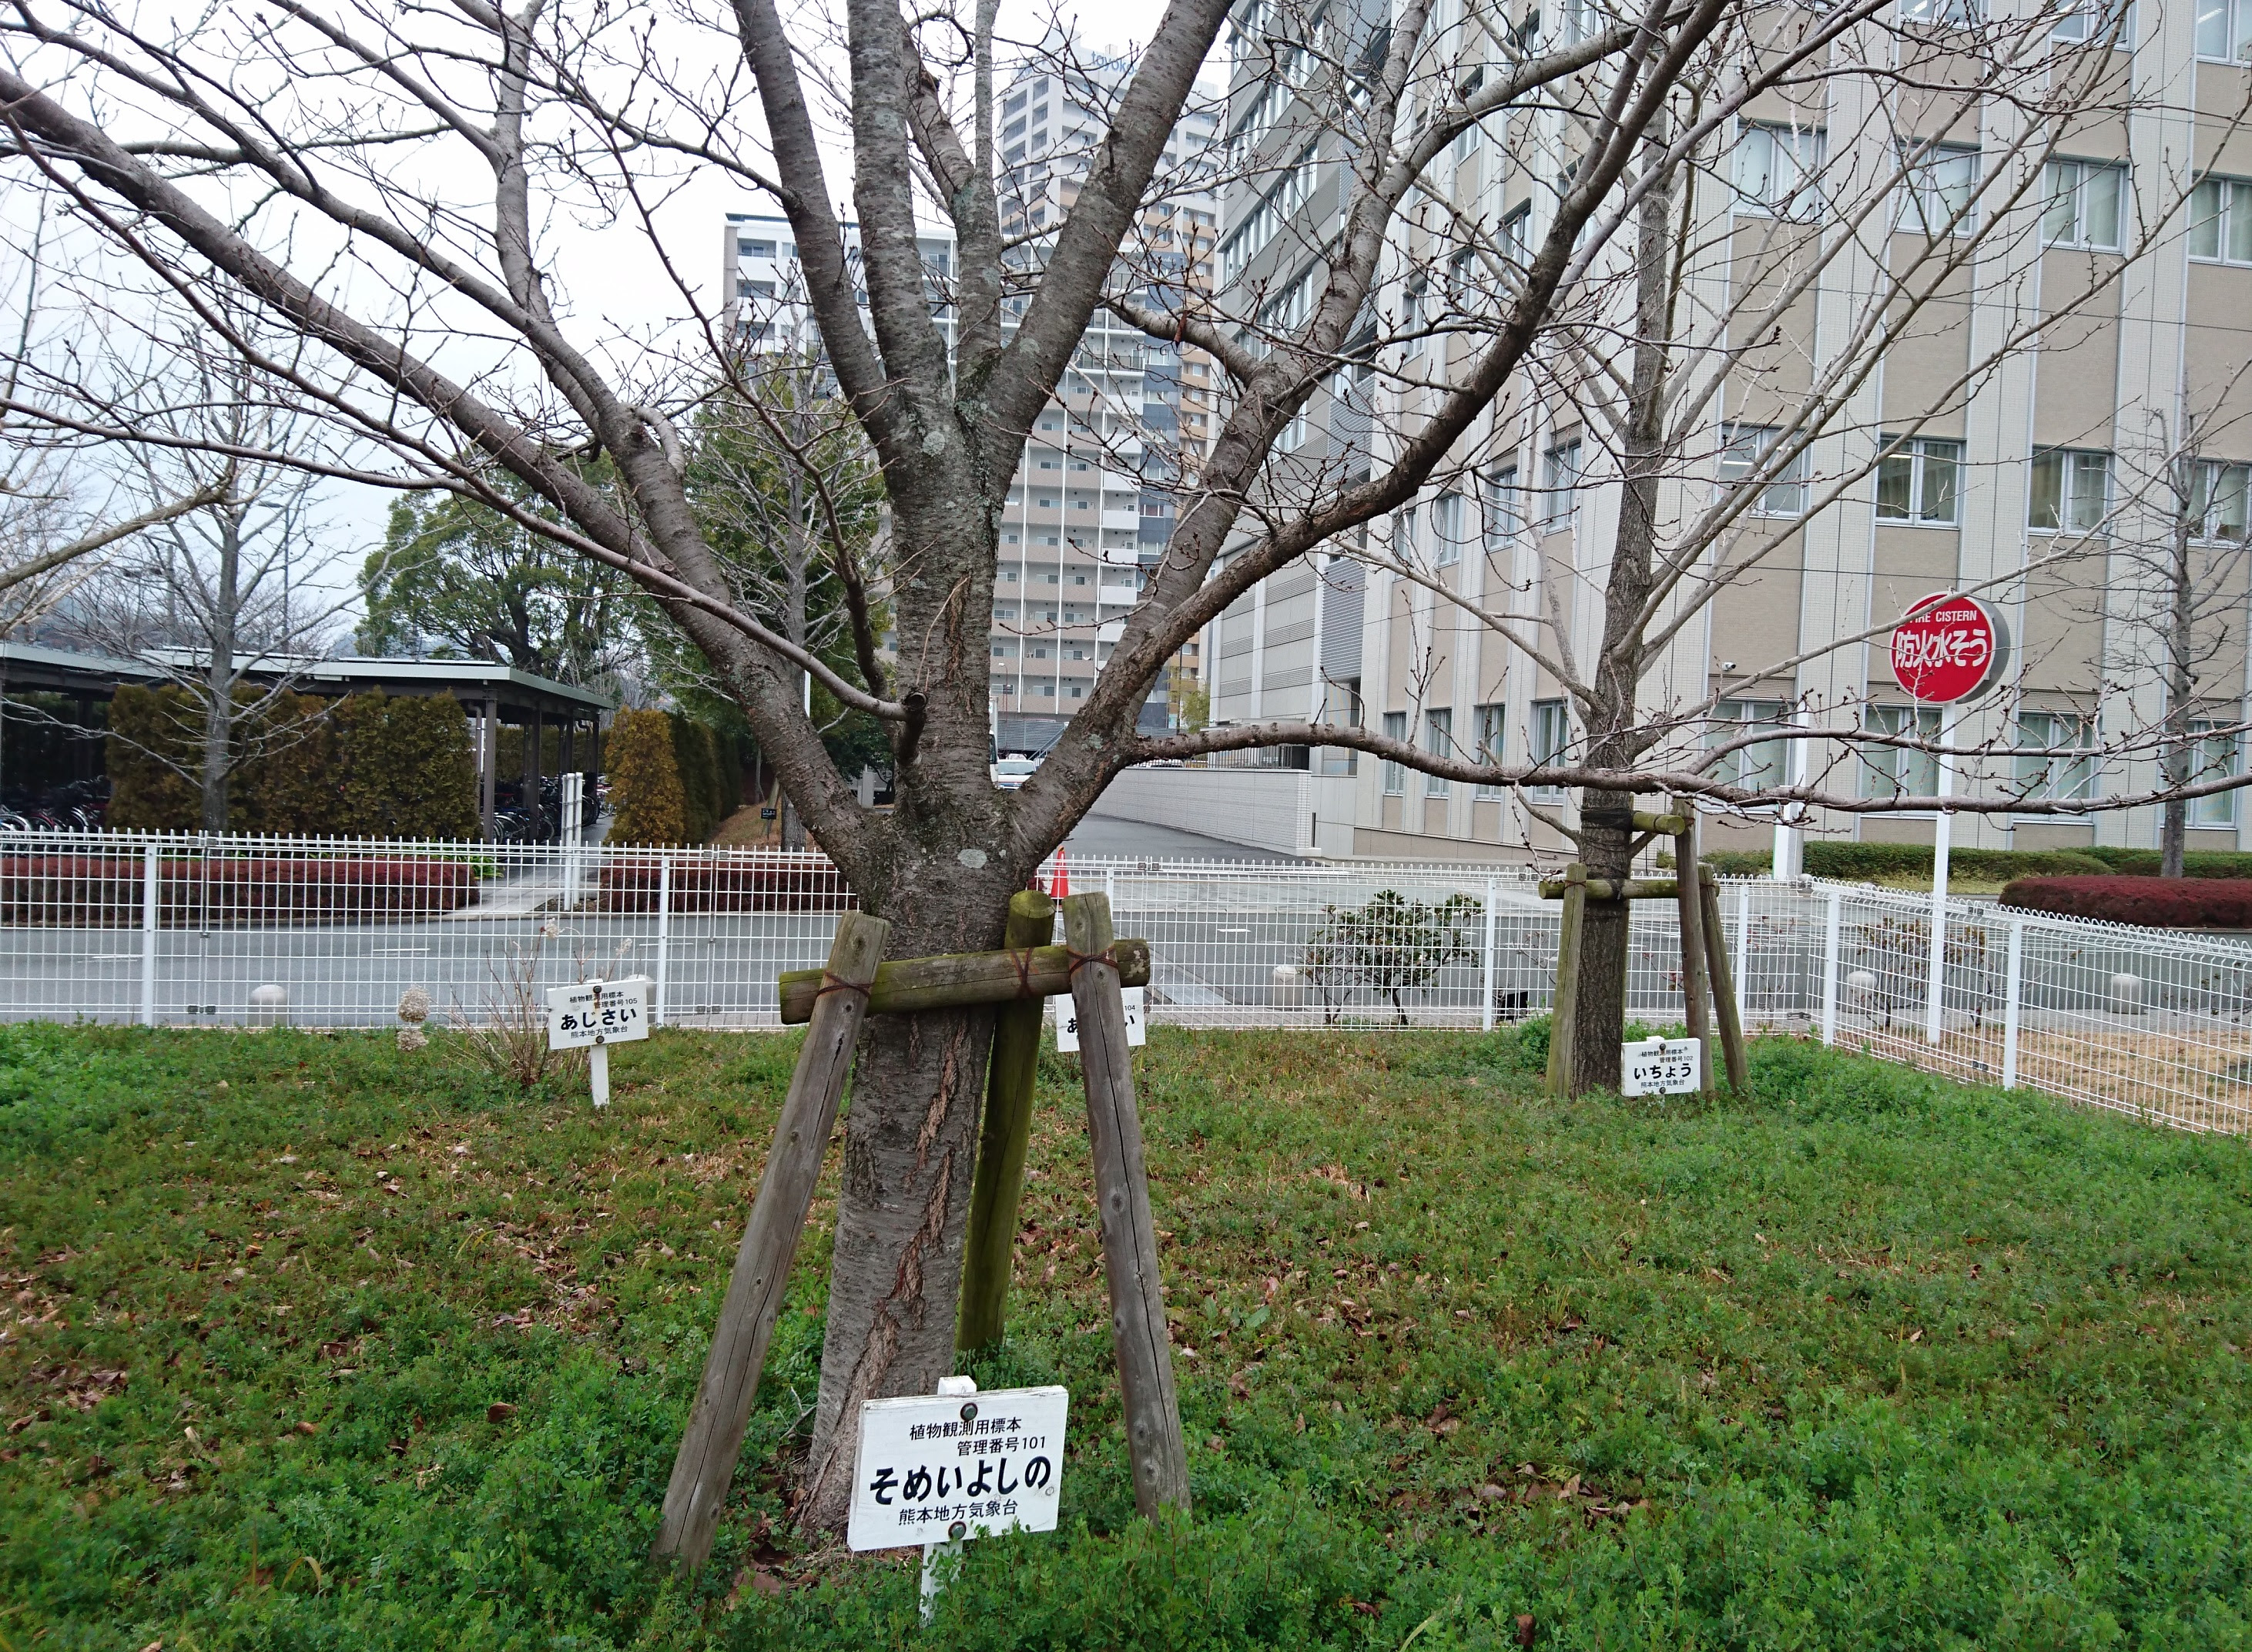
[
  {"x": 1079, "y": 958},
  {"x": 831, "y": 982},
  {"x": 1024, "y": 962}
]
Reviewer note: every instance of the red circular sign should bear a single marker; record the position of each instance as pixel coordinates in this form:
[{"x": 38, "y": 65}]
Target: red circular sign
[{"x": 1948, "y": 648}]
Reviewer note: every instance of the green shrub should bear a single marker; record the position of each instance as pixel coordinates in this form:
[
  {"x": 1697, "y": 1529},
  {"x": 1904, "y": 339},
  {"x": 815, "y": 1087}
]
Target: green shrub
[
  {"x": 648, "y": 802},
  {"x": 403, "y": 767},
  {"x": 1859, "y": 863},
  {"x": 152, "y": 735},
  {"x": 2201, "y": 862}
]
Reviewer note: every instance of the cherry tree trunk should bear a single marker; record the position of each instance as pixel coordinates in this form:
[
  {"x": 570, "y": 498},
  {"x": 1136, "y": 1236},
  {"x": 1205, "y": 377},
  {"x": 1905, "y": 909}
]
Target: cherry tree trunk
[
  {"x": 1607, "y": 822},
  {"x": 910, "y": 1150}
]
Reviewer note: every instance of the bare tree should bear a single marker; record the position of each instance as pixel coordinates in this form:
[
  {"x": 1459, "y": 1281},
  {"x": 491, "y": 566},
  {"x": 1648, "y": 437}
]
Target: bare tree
[{"x": 312, "y": 161}]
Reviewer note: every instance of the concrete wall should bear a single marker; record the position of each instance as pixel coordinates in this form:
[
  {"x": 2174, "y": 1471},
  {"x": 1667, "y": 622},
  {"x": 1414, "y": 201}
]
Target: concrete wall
[{"x": 1272, "y": 808}]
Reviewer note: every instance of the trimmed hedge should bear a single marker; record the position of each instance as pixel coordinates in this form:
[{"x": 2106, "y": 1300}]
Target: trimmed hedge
[
  {"x": 2199, "y": 863},
  {"x": 2158, "y": 903},
  {"x": 369, "y": 764},
  {"x": 104, "y": 891},
  {"x": 672, "y": 780},
  {"x": 1859, "y": 863},
  {"x": 648, "y": 804}
]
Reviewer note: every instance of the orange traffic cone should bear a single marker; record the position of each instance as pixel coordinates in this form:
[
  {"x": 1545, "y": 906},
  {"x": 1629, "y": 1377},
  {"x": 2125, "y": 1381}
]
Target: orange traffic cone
[{"x": 1060, "y": 886}]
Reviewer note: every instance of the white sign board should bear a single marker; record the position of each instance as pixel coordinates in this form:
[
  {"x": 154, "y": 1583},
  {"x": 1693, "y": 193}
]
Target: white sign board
[
  {"x": 931, "y": 1466},
  {"x": 1138, "y": 1031},
  {"x": 1660, "y": 1067},
  {"x": 598, "y": 1012}
]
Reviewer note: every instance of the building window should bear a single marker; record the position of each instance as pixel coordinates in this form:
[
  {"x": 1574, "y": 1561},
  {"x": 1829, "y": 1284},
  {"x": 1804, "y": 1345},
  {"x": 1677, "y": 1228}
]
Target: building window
[
  {"x": 1516, "y": 236},
  {"x": 2216, "y": 755},
  {"x": 1918, "y": 482},
  {"x": 2044, "y": 771},
  {"x": 1438, "y": 741},
  {"x": 2071, "y": 491},
  {"x": 1943, "y": 14},
  {"x": 2224, "y": 29},
  {"x": 1447, "y": 518},
  {"x": 1750, "y": 767},
  {"x": 1504, "y": 508},
  {"x": 1942, "y": 182},
  {"x": 1492, "y": 724},
  {"x": 1560, "y": 499},
  {"x": 2083, "y": 204},
  {"x": 1552, "y": 738},
  {"x": 1395, "y": 777},
  {"x": 1775, "y": 167},
  {"x": 1742, "y": 447},
  {"x": 1894, "y": 771},
  {"x": 2220, "y": 219},
  {"x": 2217, "y": 502}
]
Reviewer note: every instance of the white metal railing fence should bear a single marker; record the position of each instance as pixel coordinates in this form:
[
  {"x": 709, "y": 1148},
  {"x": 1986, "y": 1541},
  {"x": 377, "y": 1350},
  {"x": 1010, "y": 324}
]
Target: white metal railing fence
[{"x": 241, "y": 930}]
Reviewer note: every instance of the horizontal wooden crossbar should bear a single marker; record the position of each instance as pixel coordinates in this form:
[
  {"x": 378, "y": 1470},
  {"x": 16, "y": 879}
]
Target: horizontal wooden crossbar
[
  {"x": 952, "y": 981},
  {"x": 1607, "y": 889},
  {"x": 1664, "y": 825}
]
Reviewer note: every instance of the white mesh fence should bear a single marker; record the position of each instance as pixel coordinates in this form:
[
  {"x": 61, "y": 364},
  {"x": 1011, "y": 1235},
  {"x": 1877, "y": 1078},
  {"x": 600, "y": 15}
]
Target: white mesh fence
[{"x": 233, "y": 930}]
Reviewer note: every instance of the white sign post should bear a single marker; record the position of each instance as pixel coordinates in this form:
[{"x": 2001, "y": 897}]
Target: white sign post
[
  {"x": 1660, "y": 1067},
  {"x": 1138, "y": 1030},
  {"x": 935, "y": 1470},
  {"x": 595, "y": 1015}
]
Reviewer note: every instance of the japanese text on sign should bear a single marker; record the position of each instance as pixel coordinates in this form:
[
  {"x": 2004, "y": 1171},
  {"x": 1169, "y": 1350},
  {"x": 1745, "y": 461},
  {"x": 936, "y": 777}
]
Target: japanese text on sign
[
  {"x": 932, "y": 1467},
  {"x": 1137, "y": 1032},
  {"x": 598, "y": 1012},
  {"x": 1659, "y": 1066},
  {"x": 1947, "y": 649}
]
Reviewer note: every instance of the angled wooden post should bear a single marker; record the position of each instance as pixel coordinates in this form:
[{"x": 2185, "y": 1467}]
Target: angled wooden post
[
  {"x": 1563, "y": 1014},
  {"x": 1696, "y": 976},
  {"x": 1002, "y": 1138},
  {"x": 1724, "y": 985},
  {"x": 713, "y": 1438},
  {"x": 1129, "y": 1235}
]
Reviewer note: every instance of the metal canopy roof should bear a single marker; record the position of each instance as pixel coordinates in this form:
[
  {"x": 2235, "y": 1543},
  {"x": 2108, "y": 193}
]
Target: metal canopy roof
[{"x": 30, "y": 667}]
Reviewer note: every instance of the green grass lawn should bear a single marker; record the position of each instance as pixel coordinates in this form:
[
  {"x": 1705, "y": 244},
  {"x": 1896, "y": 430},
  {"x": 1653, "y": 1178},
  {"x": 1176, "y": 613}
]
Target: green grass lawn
[{"x": 312, "y": 1343}]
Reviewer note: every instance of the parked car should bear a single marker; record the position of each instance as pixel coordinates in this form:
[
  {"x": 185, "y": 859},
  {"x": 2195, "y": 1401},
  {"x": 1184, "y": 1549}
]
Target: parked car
[{"x": 1010, "y": 773}]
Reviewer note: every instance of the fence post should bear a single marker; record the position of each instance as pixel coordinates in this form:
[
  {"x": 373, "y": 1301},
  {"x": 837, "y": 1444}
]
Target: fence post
[
  {"x": 1830, "y": 969},
  {"x": 149, "y": 874},
  {"x": 1485, "y": 1016},
  {"x": 573, "y": 833},
  {"x": 2012, "y": 996},
  {"x": 663, "y": 930}
]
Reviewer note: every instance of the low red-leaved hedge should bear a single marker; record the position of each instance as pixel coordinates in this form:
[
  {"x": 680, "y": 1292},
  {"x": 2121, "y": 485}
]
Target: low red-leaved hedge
[
  {"x": 105, "y": 890},
  {"x": 2161, "y": 903},
  {"x": 786, "y": 884}
]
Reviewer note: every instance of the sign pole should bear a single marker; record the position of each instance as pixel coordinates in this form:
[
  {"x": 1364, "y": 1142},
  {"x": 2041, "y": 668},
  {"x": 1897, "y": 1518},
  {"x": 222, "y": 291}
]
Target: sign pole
[
  {"x": 598, "y": 1073},
  {"x": 1935, "y": 979}
]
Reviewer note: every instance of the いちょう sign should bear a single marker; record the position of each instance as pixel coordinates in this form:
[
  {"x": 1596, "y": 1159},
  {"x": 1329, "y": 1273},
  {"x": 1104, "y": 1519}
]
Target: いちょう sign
[{"x": 1660, "y": 1067}]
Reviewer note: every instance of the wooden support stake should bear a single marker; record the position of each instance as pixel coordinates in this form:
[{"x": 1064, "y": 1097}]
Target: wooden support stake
[
  {"x": 956, "y": 980},
  {"x": 1130, "y": 1234},
  {"x": 1003, "y": 1137},
  {"x": 1696, "y": 976},
  {"x": 1563, "y": 1016},
  {"x": 1660, "y": 825},
  {"x": 713, "y": 1438},
  {"x": 1724, "y": 985}
]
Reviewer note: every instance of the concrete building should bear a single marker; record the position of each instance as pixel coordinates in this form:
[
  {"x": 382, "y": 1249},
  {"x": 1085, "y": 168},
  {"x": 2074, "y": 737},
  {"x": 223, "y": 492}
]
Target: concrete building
[{"x": 2068, "y": 442}]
